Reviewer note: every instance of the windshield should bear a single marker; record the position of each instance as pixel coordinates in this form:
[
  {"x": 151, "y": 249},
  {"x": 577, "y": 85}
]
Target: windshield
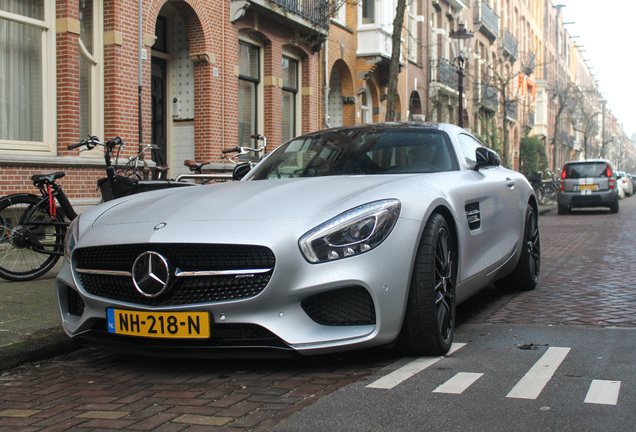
[
  {"x": 586, "y": 169},
  {"x": 360, "y": 151}
]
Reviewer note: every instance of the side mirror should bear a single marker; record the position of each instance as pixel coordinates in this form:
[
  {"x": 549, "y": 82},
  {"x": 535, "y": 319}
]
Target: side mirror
[
  {"x": 241, "y": 171},
  {"x": 486, "y": 158}
]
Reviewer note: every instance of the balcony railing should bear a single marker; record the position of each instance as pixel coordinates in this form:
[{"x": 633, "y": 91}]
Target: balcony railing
[
  {"x": 311, "y": 16},
  {"x": 444, "y": 72},
  {"x": 529, "y": 63},
  {"x": 314, "y": 11},
  {"x": 489, "y": 97},
  {"x": 486, "y": 20},
  {"x": 511, "y": 45}
]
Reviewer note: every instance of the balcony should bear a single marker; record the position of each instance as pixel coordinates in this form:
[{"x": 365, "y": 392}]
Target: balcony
[
  {"x": 510, "y": 46},
  {"x": 489, "y": 97},
  {"x": 305, "y": 16},
  {"x": 486, "y": 20},
  {"x": 444, "y": 72},
  {"x": 512, "y": 110},
  {"x": 374, "y": 42},
  {"x": 529, "y": 64}
]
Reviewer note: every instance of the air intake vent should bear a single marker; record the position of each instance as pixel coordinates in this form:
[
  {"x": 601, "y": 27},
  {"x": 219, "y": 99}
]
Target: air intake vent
[{"x": 473, "y": 216}]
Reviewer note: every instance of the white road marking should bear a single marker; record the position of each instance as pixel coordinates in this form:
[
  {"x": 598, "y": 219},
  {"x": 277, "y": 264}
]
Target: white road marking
[
  {"x": 531, "y": 385},
  {"x": 459, "y": 383},
  {"x": 407, "y": 371},
  {"x": 603, "y": 392}
]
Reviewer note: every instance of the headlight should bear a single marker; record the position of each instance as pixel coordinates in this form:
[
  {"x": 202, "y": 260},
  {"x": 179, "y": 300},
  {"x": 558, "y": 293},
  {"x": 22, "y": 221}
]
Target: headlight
[
  {"x": 351, "y": 233},
  {"x": 71, "y": 238}
]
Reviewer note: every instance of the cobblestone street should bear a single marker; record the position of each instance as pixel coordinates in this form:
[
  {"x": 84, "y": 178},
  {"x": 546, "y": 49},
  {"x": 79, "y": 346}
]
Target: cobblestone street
[{"x": 586, "y": 279}]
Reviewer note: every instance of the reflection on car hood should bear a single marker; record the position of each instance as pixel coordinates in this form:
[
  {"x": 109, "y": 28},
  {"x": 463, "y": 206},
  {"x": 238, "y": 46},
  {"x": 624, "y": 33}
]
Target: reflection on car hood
[{"x": 273, "y": 200}]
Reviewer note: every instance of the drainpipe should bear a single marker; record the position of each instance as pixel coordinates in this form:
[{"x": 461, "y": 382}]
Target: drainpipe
[{"x": 326, "y": 88}]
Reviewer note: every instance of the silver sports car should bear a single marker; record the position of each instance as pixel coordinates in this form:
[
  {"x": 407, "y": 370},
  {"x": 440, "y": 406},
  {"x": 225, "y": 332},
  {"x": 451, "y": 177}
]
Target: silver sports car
[{"x": 340, "y": 239}]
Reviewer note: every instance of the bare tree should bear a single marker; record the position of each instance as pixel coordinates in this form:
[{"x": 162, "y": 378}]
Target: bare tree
[
  {"x": 584, "y": 117},
  {"x": 500, "y": 79},
  {"x": 394, "y": 65},
  {"x": 563, "y": 97}
]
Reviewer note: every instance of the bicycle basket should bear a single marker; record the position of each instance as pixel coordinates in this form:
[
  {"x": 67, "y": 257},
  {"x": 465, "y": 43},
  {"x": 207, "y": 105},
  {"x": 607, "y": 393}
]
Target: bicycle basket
[{"x": 123, "y": 186}]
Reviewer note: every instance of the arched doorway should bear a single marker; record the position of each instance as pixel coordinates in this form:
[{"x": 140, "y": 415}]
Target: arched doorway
[{"x": 172, "y": 89}]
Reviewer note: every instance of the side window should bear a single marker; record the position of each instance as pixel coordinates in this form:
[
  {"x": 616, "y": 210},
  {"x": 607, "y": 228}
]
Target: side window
[{"x": 469, "y": 145}]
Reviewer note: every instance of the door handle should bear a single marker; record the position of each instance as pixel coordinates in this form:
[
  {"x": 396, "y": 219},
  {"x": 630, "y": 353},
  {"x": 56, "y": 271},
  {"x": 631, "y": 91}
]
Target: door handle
[{"x": 510, "y": 183}]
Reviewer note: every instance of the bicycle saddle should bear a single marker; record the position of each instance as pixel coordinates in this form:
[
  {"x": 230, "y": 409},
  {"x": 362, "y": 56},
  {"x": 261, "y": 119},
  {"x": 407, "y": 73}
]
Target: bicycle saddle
[
  {"x": 46, "y": 178},
  {"x": 194, "y": 165}
]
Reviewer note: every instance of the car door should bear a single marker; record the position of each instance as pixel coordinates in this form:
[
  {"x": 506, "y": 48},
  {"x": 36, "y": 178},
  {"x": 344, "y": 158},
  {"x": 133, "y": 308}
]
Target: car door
[{"x": 499, "y": 210}]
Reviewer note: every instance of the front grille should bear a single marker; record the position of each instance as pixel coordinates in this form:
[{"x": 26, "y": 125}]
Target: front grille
[
  {"x": 185, "y": 257},
  {"x": 341, "y": 307}
]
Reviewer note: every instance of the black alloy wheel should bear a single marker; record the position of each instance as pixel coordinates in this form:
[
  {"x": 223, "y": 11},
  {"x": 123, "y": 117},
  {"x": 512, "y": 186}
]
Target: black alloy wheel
[{"x": 429, "y": 320}]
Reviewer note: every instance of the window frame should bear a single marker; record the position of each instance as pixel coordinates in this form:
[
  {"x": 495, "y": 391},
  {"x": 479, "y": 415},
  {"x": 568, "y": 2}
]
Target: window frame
[
  {"x": 48, "y": 145},
  {"x": 297, "y": 112},
  {"x": 258, "y": 93},
  {"x": 96, "y": 59}
]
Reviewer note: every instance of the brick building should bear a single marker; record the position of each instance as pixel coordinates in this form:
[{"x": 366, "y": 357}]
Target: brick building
[
  {"x": 202, "y": 75},
  {"x": 193, "y": 77}
]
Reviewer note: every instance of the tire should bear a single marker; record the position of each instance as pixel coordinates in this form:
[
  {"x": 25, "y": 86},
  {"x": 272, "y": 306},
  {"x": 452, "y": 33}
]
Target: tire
[
  {"x": 562, "y": 210},
  {"x": 526, "y": 274},
  {"x": 20, "y": 217},
  {"x": 614, "y": 207},
  {"x": 429, "y": 321}
]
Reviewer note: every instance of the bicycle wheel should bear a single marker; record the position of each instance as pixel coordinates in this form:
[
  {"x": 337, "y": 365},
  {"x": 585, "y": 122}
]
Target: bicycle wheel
[{"x": 26, "y": 228}]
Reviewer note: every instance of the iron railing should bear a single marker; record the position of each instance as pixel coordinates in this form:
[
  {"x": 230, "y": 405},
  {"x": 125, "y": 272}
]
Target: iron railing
[{"x": 314, "y": 11}]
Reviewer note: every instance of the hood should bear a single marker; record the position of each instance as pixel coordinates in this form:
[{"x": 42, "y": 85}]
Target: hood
[{"x": 265, "y": 200}]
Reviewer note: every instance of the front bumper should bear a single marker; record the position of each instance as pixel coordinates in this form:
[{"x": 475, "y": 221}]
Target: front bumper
[{"x": 276, "y": 321}]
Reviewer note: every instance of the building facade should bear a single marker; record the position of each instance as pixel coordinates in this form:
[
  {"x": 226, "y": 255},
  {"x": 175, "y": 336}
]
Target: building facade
[{"x": 194, "y": 77}]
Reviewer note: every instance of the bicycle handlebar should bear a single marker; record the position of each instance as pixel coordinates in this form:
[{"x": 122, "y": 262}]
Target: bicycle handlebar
[{"x": 232, "y": 150}]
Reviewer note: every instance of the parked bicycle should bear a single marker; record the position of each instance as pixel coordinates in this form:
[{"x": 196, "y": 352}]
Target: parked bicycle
[
  {"x": 32, "y": 227},
  {"x": 244, "y": 159}
]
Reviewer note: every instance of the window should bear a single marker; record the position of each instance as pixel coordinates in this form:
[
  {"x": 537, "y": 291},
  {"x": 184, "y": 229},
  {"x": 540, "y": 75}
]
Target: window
[
  {"x": 368, "y": 11},
  {"x": 412, "y": 39},
  {"x": 249, "y": 80},
  {"x": 290, "y": 97},
  {"x": 341, "y": 14},
  {"x": 27, "y": 75},
  {"x": 90, "y": 74},
  {"x": 469, "y": 146}
]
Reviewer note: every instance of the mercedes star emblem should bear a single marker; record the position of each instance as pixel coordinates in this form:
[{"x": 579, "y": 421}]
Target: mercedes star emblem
[{"x": 150, "y": 274}]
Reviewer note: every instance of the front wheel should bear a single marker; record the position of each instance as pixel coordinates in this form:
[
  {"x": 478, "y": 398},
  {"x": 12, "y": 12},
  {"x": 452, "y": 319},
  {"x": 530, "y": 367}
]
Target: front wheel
[
  {"x": 429, "y": 320},
  {"x": 26, "y": 226}
]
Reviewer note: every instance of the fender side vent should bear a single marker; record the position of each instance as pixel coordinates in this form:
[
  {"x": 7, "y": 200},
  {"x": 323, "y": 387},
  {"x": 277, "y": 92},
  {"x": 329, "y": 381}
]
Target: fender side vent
[{"x": 473, "y": 216}]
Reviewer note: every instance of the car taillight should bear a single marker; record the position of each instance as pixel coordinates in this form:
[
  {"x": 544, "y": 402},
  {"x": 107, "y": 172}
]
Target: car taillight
[
  {"x": 561, "y": 185},
  {"x": 612, "y": 182}
]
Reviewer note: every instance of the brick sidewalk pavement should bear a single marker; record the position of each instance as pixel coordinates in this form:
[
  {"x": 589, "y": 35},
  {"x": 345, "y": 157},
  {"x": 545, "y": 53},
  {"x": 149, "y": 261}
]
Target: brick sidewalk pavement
[{"x": 587, "y": 279}]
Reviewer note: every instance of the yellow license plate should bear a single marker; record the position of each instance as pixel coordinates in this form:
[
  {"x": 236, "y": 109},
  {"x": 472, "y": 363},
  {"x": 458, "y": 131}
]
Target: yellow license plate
[
  {"x": 586, "y": 187},
  {"x": 180, "y": 325}
]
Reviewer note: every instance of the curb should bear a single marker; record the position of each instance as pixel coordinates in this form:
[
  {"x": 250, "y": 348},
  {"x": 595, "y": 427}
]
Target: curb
[{"x": 41, "y": 345}]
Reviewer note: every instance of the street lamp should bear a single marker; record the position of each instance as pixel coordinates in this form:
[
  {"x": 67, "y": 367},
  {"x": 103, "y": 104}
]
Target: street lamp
[{"x": 461, "y": 47}]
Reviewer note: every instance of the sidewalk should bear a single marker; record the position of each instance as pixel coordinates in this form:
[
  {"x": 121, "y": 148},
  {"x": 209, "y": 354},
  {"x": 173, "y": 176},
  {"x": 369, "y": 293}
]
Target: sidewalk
[{"x": 30, "y": 323}]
